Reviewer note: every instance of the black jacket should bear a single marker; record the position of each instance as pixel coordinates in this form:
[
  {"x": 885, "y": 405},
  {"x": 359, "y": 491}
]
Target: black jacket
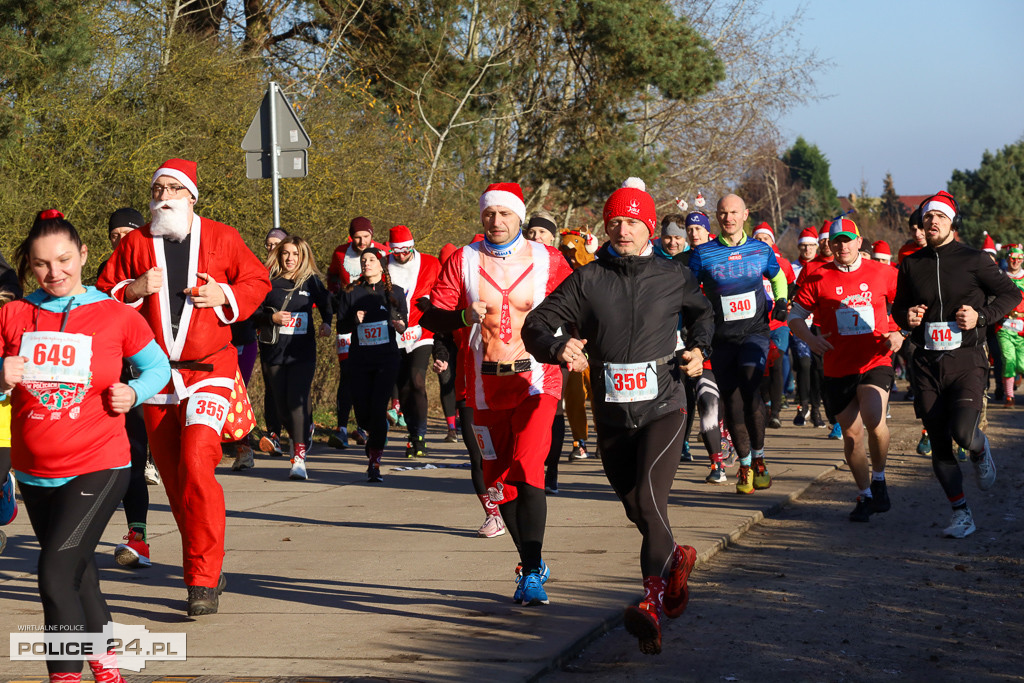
[
  {"x": 378, "y": 307},
  {"x": 627, "y": 308},
  {"x": 291, "y": 348},
  {"x": 947, "y": 278}
]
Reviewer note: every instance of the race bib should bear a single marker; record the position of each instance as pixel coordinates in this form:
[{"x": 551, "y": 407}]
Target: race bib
[
  {"x": 57, "y": 357},
  {"x": 739, "y": 306},
  {"x": 483, "y": 440},
  {"x": 855, "y": 320},
  {"x": 630, "y": 382},
  {"x": 679, "y": 341},
  {"x": 342, "y": 343},
  {"x": 207, "y": 409},
  {"x": 410, "y": 336},
  {"x": 1015, "y": 324},
  {"x": 941, "y": 336},
  {"x": 299, "y": 324},
  {"x": 373, "y": 334}
]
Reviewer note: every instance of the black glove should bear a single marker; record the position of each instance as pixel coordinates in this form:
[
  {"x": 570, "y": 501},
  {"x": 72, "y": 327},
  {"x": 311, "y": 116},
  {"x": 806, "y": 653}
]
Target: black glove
[{"x": 781, "y": 311}]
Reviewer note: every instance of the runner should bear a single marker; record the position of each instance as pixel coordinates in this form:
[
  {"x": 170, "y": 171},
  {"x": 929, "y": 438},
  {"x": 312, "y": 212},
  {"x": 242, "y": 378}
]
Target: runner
[
  {"x": 494, "y": 284},
  {"x": 731, "y": 269},
  {"x": 778, "y": 361},
  {"x": 808, "y": 247},
  {"x": 288, "y": 351},
  {"x": 629, "y": 341},
  {"x": 542, "y": 228},
  {"x": 1010, "y": 334},
  {"x": 850, "y": 300},
  {"x": 372, "y": 309},
  {"x": 941, "y": 297},
  {"x": 446, "y": 377},
  {"x": 190, "y": 277},
  {"x": 62, "y": 351},
  {"x": 578, "y": 247},
  {"x": 416, "y": 274}
]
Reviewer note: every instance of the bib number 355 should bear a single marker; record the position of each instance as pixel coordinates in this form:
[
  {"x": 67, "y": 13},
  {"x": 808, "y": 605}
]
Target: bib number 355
[{"x": 207, "y": 409}]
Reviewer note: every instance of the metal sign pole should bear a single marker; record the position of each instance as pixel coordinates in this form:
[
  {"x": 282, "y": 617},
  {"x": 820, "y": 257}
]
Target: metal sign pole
[{"x": 274, "y": 151}]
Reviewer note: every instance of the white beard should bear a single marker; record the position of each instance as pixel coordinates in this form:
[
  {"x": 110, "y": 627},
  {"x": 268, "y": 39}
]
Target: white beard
[{"x": 171, "y": 222}]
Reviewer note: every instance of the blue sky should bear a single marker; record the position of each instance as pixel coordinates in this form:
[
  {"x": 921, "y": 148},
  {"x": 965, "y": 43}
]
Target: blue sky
[{"x": 917, "y": 88}]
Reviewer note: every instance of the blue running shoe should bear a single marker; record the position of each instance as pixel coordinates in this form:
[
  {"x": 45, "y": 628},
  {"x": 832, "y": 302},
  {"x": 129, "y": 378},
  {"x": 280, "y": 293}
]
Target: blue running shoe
[
  {"x": 836, "y": 433},
  {"x": 687, "y": 456},
  {"x": 545, "y": 572},
  {"x": 533, "y": 590},
  {"x": 8, "y": 503}
]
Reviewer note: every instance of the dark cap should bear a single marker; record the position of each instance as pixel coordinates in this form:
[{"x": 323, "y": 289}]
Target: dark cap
[{"x": 125, "y": 218}]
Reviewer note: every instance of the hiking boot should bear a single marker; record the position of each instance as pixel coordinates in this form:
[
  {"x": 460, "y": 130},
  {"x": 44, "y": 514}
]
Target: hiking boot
[
  {"x": 961, "y": 525},
  {"x": 644, "y": 620},
  {"x": 152, "y": 474},
  {"x": 862, "y": 513},
  {"x": 203, "y": 600},
  {"x": 924, "y": 446},
  {"x": 985, "y": 468},
  {"x": 745, "y": 480},
  {"x": 244, "y": 458},
  {"x": 134, "y": 552},
  {"x": 493, "y": 526},
  {"x": 677, "y": 595},
  {"x": 762, "y": 480},
  {"x": 716, "y": 475},
  {"x": 879, "y": 497},
  {"x": 8, "y": 503}
]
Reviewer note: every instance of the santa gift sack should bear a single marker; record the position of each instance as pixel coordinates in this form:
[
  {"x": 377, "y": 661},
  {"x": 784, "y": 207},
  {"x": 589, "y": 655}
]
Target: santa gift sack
[{"x": 240, "y": 420}]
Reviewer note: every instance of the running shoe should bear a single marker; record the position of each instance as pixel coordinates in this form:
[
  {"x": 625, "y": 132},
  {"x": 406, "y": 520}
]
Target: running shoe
[
  {"x": 360, "y": 437},
  {"x": 410, "y": 450},
  {"x": 862, "y": 513},
  {"x": 338, "y": 439},
  {"x": 816, "y": 419},
  {"x": 493, "y": 526},
  {"x": 400, "y": 421},
  {"x": 533, "y": 590},
  {"x": 961, "y": 454},
  {"x": 677, "y": 594},
  {"x": 801, "y": 416},
  {"x": 271, "y": 445},
  {"x": 643, "y": 622},
  {"x": 716, "y": 475},
  {"x": 745, "y": 480},
  {"x": 373, "y": 474},
  {"x": 134, "y": 552},
  {"x": 985, "y": 468},
  {"x": 880, "y": 497},
  {"x": 550, "y": 485},
  {"x": 392, "y": 417},
  {"x": 924, "y": 446},
  {"x": 244, "y": 458},
  {"x": 545, "y": 572},
  {"x": 762, "y": 480},
  {"x": 686, "y": 456},
  {"x": 909, "y": 396},
  {"x": 837, "y": 432},
  {"x": 961, "y": 525},
  {"x": 451, "y": 436},
  {"x": 299, "y": 463},
  {"x": 152, "y": 474},
  {"x": 731, "y": 459},
  {"x": 8, "y": 503},
  {"x": 416, "y": 447},
  {"x": 578, "y": 452},
  {"x": 775, "y": 423}
]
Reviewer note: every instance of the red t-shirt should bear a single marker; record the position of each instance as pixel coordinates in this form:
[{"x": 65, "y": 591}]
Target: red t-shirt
[
  {"x": 62, "y": 428},
  {"x": 851, "y": 310}
]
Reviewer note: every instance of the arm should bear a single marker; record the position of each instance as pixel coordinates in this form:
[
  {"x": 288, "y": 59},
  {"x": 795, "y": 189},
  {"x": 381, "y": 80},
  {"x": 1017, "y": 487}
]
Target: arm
[
  {"x": 323, "y": 300},
  {"x": 248, "y": 281},
  {"x": 994, "y": 282},
  {"x": 560, "y": 309},
  {"x": 698, "y": 318},
  {"x": 345, "y": 320},
  {"x": 154, "y": 372}
]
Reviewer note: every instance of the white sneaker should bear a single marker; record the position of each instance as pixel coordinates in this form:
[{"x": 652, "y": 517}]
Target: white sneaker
[
  {"x": 298, "y": 468},
  {"x": 244, "y": 459},
  {"x": 152, "y": 475},
  {"x": 985, "y": 468},
  {"x": 493, "y": 526},
  {"x": 961, "y": 525}
]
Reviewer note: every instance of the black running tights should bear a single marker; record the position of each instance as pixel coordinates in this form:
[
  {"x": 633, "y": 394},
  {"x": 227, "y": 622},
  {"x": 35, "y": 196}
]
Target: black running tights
[
  {"x": 412, "y": 388},
  {"x": 525, "y": 518},
  {"x": 290, "y": 384}
]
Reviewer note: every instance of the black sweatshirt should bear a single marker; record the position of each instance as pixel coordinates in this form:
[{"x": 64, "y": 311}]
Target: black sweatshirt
[
  {"x": 294, "y": 347},
  {"x": 946, "y": 278},
  {"x": 378, "y": 307}
]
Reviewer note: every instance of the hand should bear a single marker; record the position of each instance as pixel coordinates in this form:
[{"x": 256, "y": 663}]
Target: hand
[
  {"x": 439, "y": 366},
  {"x": 360, "y": 315},
  {"x": 781, "y": 311},
  {"x": 399, "y": 325},
  {"x": 281, "y": 318},
  {"x": 13, "y": 372},
  {"x": 895, "y": 340},
  {"x": 477, "y": 311},
  {"x": 915, "y": 315},
  {"x": 120, "y": 397},
  {"x": 209, "y": 295},
  {"x": 694, "y": 359},
  {"x": 966, "y": 317},
  {"x": 325, "y": 330},
  {"x": 819, "y": 345},
  {"x": 148, "y": 283},
  {"x": 573, "y": 356}
]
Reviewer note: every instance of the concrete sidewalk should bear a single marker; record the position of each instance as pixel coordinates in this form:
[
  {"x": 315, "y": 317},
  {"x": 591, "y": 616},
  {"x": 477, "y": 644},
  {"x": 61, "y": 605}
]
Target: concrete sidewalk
[{"x": 338, "y": 578}]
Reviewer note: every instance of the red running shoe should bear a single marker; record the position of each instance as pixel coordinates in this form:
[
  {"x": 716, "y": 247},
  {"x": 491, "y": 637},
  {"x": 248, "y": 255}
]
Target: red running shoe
[
  {"x": 134, "y": 553},
  {"x": 644, "y": 620},
  {"x": 677, "y": 594}
]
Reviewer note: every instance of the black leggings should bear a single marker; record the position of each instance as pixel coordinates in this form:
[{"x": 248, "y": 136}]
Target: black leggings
[
  {"x": 555, "y": 452},
  {"x": 374, "y": 381},
  {"x": 343, "y": 399},
  {"x": 136, "y": 499},
  {"x": 640, "y": 465},
  {"x": 289, "y": 386},
  {"x": 476, "y": 456},
  {"x": 446, "y": 379},
  {"x": 744, "y": 410},
  {"x": 412, "y": 389},
  {"x": 525, "y": 518},
  {"x": 68, "y": 521}
]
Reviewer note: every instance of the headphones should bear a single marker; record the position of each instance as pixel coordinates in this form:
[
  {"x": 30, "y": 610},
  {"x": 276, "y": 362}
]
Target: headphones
[{"x": 958, "y": 221}]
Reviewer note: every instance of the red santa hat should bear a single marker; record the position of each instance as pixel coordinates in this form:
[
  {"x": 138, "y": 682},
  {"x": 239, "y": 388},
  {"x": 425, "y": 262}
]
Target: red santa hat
[
  {"x": 941, "y": 201},
  {"x": 182, "y": 170},
  {"x": 808, "y": 236},
  {"x": 505, "y": 194},
  {"x": 881, "y": 248},
  {"x": 764, "y": 229},
  {"x": 988, "y": 245},
  {"x": 400, "y": 237},
  {"x": 823, "y": 233},
  {"x": 632, "y": 201}
]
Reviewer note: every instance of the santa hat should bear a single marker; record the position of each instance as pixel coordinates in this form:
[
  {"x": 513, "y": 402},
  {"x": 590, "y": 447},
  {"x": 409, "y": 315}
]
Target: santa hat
[
  {"x": 881, "y": 248},
  {"x": 823, "y": 233},
  {"x": 808, "y": 236},
  {"x": 400, "y": 237},
  {"x": 988, "y": 245},
  {"x": 632, "y": 201},
  {"x": 505, "y": 194},
  {"x": 942, "y": 201},
  {"x": 182, "y": 170},
  {"x": 1015, "y": 249},
  {"x": 764, "y": 229},
  {"x": 359, "y": 224}
]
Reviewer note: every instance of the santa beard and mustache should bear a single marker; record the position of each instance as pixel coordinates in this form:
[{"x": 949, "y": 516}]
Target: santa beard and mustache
[{"x": 170, "y": 218}]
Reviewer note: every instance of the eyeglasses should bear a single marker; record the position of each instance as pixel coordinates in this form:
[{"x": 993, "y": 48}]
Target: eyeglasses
[
  {"x": 401, "y": 250},
  {"x": 158, "y": 190}
]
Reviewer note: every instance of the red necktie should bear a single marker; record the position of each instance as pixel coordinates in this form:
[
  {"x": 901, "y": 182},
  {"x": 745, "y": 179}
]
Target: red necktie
[{"x": 505, "y": 322}]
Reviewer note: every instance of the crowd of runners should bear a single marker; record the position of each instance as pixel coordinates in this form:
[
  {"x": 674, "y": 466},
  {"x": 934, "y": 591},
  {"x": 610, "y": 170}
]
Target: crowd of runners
[{"x": 706, "y": 322}]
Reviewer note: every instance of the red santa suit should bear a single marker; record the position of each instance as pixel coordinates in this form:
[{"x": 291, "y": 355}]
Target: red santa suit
[
  {"x": 513, "y": 396},
  {"x": 185, "y": 420},
  {"x": 417, "y": 277}
]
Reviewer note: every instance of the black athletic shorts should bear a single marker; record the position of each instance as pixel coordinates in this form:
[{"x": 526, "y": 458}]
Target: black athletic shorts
[
  {"x": 946, "y": 382},
  {"x": 840, "y": 391}
]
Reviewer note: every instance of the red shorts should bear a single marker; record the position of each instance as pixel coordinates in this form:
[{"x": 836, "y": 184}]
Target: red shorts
[{"x": 515, "y": 444}]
